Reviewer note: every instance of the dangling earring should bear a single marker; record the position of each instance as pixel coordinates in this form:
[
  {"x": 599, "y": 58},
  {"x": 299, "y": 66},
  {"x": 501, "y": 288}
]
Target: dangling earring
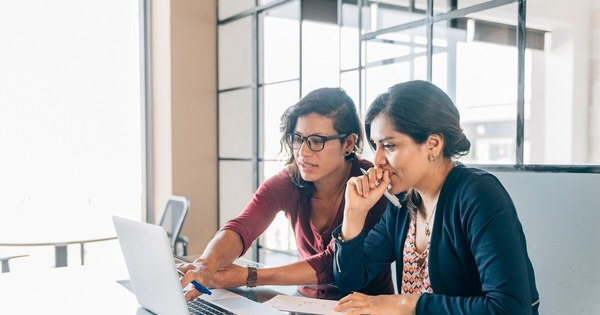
[{"x": 431, "y": 157}]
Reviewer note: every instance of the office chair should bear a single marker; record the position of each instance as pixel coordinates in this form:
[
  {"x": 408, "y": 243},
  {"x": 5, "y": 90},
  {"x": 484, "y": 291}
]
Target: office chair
[
  {"x": 172, "y": 221},
  {"x": 5, "y": 262}
]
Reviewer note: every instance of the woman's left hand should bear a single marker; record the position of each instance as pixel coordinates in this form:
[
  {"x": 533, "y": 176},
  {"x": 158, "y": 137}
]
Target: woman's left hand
[{"x": 358, "y": 303}]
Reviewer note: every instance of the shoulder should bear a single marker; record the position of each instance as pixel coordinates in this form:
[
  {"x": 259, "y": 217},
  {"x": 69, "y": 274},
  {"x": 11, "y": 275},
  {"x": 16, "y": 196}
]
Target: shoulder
[
  {"x": 466, "y": 181},
  {"x": 476, "y": 196}
]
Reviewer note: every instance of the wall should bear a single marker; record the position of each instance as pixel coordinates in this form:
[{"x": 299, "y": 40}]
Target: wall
[
  {"x": 184, "y": 112},
  {"x": 595, "y": 84},
  {"x": 560, "y": 215}
]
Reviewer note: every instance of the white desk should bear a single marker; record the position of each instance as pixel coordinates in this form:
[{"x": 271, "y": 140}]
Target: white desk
[{"x": 71, "y": 290}]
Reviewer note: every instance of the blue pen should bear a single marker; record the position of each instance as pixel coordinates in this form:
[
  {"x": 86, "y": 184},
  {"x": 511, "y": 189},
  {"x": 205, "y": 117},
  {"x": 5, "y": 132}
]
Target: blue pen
[
  {"x": 196, "y": 284},
  {"x": 201, "y": 288}
]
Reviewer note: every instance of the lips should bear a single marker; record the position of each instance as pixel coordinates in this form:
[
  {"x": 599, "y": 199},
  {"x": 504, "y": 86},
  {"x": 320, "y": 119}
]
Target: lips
[{"x": 306, "y": 165}]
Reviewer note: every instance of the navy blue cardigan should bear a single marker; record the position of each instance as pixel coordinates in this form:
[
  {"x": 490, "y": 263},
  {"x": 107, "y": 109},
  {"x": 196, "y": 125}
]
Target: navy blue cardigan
[{"x": 478, "y": 262}]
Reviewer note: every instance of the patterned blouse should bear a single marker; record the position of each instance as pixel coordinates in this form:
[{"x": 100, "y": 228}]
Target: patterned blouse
[{"x": 415, "y": 277}]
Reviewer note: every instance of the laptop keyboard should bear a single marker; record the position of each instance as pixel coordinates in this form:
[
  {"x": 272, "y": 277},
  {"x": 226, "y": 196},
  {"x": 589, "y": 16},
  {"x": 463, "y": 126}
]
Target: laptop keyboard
[{"x": 200, "y": 306}]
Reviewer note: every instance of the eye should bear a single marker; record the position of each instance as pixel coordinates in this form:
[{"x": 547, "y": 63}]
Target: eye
[
  {"x": 388, "y": 146},
  {"x": 315, "y": 140}
]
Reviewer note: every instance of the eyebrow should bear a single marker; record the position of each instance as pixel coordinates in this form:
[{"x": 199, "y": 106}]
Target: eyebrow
[{"x": 382, "y": 139}]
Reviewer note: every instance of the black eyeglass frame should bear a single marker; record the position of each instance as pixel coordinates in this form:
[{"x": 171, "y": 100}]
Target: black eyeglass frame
[{"x": 290, "y": 140}]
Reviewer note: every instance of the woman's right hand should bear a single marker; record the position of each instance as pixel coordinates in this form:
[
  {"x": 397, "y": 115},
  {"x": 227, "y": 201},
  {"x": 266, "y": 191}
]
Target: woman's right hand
[
  {"x": 203, "y": 272},
  {"x": 362, "y": 193}
]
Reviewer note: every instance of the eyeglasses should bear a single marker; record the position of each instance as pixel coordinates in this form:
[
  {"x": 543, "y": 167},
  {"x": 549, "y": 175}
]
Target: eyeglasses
[{"x": 315, "y": 142}]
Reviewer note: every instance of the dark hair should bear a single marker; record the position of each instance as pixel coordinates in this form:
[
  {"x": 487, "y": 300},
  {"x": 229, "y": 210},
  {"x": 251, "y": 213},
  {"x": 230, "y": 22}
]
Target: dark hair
[
  {"x": 420, "y": 109},
  {"x": 328, "y": 102}
]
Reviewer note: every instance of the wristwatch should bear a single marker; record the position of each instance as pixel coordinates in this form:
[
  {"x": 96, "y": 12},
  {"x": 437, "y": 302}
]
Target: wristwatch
[{"x": 252, "y": 277}]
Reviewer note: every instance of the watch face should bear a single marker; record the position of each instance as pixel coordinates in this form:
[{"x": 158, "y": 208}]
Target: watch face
[{"x": 252, "y": 277}]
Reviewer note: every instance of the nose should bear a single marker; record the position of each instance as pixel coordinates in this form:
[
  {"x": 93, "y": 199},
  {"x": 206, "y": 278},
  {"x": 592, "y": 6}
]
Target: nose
[
  {"x": 304, "y": 150},
  {"x": 379, "y": 159}
]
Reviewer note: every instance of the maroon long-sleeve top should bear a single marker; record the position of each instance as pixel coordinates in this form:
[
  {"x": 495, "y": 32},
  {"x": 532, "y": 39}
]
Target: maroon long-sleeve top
[{"x": 279, "y": 193}]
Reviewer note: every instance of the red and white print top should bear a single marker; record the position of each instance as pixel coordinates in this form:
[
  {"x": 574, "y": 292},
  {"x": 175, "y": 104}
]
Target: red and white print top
[{"x": 415, "y": 276}]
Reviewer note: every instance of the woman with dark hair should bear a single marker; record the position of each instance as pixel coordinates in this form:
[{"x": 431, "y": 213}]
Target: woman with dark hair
[
  {"x": 321, "y": 134},
  {"x": 457, "y": 241}
]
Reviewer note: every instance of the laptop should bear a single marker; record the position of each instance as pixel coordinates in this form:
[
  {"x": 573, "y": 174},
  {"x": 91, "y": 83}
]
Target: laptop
[{"x": 155, "y": 281}]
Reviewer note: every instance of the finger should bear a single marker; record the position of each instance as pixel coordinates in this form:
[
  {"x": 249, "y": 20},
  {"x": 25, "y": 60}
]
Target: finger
[
  {"x": 357, "y": 183},
  {"x": 342, "y": 306},
  {"x": 185, "y": 267},
  {"x": 380, "y": 173},
  {"x": 192, "y": 295},
  {"x": 365, "y": 185},
  {"x": 351, "y": 297},
  {"x": 385, "y": 179},
  {"x": 345, "y": 299},
  {"x": 359, "y": 311},
  {"x": 188, "y": 277},
  {"x": 352, "y": 303}
]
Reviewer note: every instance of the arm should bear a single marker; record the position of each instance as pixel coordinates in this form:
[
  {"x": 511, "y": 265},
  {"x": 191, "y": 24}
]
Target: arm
[
  {"x": 362, "y": 258},
  {"x": 213, "y": 268},
  {"x": 497, "y": 243}
]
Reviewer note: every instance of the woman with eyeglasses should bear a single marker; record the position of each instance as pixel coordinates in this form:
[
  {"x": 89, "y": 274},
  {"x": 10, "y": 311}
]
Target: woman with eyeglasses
[
  {"x": 457, "y": 242},
  {"x": 321, "y": 135}
]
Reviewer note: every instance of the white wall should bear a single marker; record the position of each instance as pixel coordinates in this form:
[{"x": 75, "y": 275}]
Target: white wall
[{"x": 560, "y": 214}]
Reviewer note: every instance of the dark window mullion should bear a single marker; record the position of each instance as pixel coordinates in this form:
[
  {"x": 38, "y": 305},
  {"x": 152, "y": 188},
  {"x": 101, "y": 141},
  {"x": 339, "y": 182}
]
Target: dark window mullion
[
  {"x": 520, "y": 83},
  {"x": 255, "y": 117}
]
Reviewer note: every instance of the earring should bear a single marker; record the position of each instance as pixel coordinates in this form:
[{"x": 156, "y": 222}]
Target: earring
[
  {"x": 347, "y": 152},
  {"x": 431, "y": 157}
]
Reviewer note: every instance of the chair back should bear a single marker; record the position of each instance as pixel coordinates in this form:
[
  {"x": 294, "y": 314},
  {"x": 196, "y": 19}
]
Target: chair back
[{"x": 174, "y": 216}]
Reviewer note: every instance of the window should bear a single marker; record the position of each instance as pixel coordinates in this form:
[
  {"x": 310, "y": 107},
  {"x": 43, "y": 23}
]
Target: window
[
  {"x": 544, "y": 123},
  {"x": 517, "y": 108},
  {"x": 70, "y": 122}
]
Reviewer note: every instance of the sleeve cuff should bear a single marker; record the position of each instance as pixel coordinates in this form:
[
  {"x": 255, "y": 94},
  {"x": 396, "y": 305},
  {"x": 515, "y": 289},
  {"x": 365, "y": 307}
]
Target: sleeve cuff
[{"x": 340, "y": 242}]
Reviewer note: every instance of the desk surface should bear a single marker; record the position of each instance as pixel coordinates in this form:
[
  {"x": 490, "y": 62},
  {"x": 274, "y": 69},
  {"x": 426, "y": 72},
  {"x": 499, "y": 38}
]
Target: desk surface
[
  {"x": 72, "y": 290},
  {"x": 79, "y": 290}
]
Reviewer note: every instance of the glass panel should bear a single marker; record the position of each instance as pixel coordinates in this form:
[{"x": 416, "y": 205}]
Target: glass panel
[
  {"x": 279, "y": 235},
  {"x": 380, "y": 78},
  {"x": 479, "y": 72},
  {"x": 320, "y": 56},
  {"x": 446, "y": 6},
  {"x": 377, "y": 15},
  {"x": 398, "y": 57},
  {"x": 280, "y": 44},
  {"x": 263, "y": 2},
  {"x": 349, "y": 82},
  {"x": 349, "y": 37},
  {"x": 228, "y": 8},
  {"x": 276, "y": 99},
  {"x": 235, "y": 54},
  {"x": 562, "y": 84},
  {"x": 235, "y": 124},
  {"x": 235, "y": 188},
  {"x": 401, "y": 46}
]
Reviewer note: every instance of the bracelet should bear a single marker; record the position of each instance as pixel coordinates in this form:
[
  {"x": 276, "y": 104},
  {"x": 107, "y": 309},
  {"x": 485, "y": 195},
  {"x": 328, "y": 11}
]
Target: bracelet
[{"x": 252, "y": 277}]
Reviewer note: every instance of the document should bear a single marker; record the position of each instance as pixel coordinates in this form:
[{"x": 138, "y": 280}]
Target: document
[{"x": 302, "y": 304}]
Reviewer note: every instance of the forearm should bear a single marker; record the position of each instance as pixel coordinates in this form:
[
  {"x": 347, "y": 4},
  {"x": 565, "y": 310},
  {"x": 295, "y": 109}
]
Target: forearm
[
  {"x": 293, "y": 274},
  {"x": 223, "y": 249}
]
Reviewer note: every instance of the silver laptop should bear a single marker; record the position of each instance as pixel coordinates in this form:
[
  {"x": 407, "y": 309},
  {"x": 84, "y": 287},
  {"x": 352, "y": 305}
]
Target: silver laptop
[{"x": 155, "y": 281}]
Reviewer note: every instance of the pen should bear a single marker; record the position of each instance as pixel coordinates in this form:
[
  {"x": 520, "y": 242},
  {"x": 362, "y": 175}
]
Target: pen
[
  {"x": 196, "y": 284},
  {"x": 393, "y": 199}
]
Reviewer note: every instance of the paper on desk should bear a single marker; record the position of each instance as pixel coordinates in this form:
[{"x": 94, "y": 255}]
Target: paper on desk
[{"x": 302, "y": 304}]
